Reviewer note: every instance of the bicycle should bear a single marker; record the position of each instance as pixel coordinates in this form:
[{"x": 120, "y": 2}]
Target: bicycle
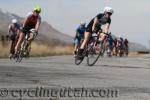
[
  {"x": 93, "y": 50},
  {"x": 24, "y": 50},
  {"x": 13, "y": 44},
  {"x": 120, "y": 50},
  {"x": 126, "y": 51}
]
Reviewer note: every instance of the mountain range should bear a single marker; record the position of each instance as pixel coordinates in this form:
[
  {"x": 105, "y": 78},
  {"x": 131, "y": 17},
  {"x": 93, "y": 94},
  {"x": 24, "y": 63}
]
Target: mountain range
[{"x": 48, "y": 34}]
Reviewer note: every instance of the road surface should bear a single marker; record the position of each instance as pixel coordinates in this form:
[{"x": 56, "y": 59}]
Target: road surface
[{"x": 129, "y": 77}]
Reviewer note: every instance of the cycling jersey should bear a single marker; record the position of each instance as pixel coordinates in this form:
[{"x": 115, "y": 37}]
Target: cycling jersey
[
  {"x": 32, "y": 20},
  {"x": 102, "y": 20},
  {"x": 80, "y": 32},
  {"x": 126, "y": 43},
  {"x": 115, "y": 42},
  {"x": 110, "y": 39},
  {"x": 13, "y": 28}
]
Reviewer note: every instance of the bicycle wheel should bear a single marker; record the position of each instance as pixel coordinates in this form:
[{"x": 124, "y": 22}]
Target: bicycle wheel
[
  {"x": 78, "y": 60},
  {"x": 102, "y": 48},
  {"x": 94, "y": 52},
  {"x": 19, "y": 56}
]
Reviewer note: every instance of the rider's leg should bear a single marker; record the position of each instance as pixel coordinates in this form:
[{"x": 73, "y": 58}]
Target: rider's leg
[
  {"x": 86, "y": 38},
  {"x": 102, "y": 36},
  {"x": 11, "y": 52},
  {"x": 76, "y": 42},
  {"x": 20, "y": 40},
  {"x": 30, "y": 40},
  {"x": 11, "y": 49}
]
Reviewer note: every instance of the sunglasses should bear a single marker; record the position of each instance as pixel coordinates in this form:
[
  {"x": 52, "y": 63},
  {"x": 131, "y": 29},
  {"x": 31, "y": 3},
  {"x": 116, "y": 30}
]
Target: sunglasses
[
  {"x": 37, "y": 11},
  {"x": 109, "y": 13}
]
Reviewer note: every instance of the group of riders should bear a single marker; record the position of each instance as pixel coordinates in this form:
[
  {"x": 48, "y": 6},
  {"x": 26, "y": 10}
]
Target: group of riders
[
  {"x": 99, "y": 25},
  {"x": 17, "y": 31}
]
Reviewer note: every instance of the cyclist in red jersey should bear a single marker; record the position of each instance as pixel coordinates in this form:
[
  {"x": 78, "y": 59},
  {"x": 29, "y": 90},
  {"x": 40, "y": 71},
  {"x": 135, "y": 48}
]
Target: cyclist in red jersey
[{"x": 31, "y": 22}]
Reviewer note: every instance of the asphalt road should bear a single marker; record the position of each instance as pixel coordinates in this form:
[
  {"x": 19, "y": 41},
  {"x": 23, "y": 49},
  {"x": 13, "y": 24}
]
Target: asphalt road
[{"x": 129, "y": 77}]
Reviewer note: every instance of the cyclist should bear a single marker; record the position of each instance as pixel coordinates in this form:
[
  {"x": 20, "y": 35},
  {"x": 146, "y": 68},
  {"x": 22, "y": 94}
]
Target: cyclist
[
  {"x": 32, "y": 21},
  {"x": 13, "y": 31},
  {"x": 110, "y": 44},
  {"x": 126, "y": 44},
  {"x": 79, "y": 36},
  {"x": 120, "y": 45},
  {"x": 99, "y": 20},
  {"x": 122, "y": 42},
  {"x": 115, "y": 47}
]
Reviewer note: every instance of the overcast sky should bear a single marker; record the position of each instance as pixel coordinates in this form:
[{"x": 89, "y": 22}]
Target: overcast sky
[{"x": 131, "y": 18}]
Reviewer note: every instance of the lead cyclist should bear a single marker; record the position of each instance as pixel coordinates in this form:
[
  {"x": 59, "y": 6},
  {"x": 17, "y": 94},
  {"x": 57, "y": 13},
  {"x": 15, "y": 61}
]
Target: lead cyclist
[
  {"x": 31, "y": 22},
  {"x": 99, "y": 20}
]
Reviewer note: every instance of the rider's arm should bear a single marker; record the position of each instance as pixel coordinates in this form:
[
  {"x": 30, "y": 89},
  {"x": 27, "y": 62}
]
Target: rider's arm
[
  {"x": 107, "y": 25},
  {"x": 94, "y": 24},
  {"x": 38, "y": 24},
  {"x": 18, "y": 31},
  {"x": 9, "y": 30},
  {"x": 75, "y": 35},
  {"x": 106, "y": 29}
]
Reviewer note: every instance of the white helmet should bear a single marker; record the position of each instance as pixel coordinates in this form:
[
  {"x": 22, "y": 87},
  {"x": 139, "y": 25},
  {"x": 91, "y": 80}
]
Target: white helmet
[
  {"x": 82, "y": 23},
  {"x": 14, "y": 21},
  {"x": 109, "y": 10}
]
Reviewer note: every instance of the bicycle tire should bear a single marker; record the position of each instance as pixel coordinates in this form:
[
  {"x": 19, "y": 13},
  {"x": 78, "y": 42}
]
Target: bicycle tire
[
  {"x": 90, "y": 50},
  {"x": 78, "y": 61},
  {"x": 20, "y": 56}
]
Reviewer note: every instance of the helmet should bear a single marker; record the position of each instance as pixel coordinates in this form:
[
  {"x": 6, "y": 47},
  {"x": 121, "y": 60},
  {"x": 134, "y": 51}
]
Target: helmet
[
  {"x": 82, "y": 23},
  {"x": 14, "y": 21},
  {"x": 37, "y": 8},
  {"x": 109, "y": 10}
]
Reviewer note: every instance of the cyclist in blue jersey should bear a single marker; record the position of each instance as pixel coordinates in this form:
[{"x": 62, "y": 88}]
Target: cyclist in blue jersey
[{"x": 79, "y": 35}]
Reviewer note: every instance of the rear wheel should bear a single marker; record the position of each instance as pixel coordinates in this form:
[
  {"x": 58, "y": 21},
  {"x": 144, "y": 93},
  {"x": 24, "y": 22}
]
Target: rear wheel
[{"x": 78, "y": 60}]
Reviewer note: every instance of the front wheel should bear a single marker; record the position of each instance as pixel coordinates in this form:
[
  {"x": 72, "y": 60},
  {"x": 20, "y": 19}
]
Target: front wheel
[
  {"x": 94, "y": 52},
  {"x": 78, "y": 60},
  {"x": 19, "y": 56}
]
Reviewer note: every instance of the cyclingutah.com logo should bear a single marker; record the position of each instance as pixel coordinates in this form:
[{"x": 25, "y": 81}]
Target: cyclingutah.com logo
[{"x": 52, "y": 93}]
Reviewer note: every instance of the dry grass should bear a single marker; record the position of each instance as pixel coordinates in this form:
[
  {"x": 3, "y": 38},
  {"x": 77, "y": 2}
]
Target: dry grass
[
  {"x": 45, "y": 50},
  {"x": 136, "y": 55},
  {"x": 4, "y": 50},
  {"x": 40, "y": 50}
]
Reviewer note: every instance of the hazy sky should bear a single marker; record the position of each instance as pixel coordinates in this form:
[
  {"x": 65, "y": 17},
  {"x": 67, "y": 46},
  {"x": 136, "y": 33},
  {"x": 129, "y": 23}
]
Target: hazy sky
[{"x": 130, "y": 19}]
